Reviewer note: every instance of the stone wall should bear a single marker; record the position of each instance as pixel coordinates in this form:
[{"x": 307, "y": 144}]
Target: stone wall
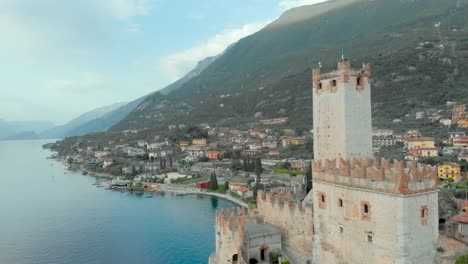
[
  {"x": 362, "y": 226},
  {"x": 293, "y": 219}
]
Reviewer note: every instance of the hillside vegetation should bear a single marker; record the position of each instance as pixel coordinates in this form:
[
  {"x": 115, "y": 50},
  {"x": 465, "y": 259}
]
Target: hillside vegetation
[{"x": 416, "y": 65}]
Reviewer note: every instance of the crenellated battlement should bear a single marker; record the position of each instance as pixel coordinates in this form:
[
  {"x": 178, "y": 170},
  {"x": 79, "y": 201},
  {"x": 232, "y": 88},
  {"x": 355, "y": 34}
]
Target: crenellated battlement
[
  {"x": 343, "y": 75},
  {"x": 395, "y": 177},
  {"x": 282, "y": 201}
]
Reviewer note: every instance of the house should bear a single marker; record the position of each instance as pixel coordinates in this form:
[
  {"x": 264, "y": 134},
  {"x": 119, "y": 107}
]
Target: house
[
  {"x": 447, "y": 171},
  {"x": 237, "y": 147},
  {"x": 251, "y": 152},
  {"x": 106, "y": 162},
  {"x": 286, "y": 141},
  {"x": 458, "y": 112},
  {"x": 269, "y": 143},
  {"x": 100, "y": 154},
  {"x": 254, "y": 132},
  {"x": 463, "y": 156},
  {"x": 419, "y": 115},
  {"x": 203, "y": 185},
  {"x": 141, "y": 143},
  {"x": 298, "y": 141},
  {"x": 445, "y": 122},
  {"x": 460, "y": 142},
  {"x": 420, "y": 142},
  {"x": 417, "y": 153},
  {"x": 385, "y": 141},
  {"x": 382, "y": 132},
  {"x": 463, "y": 123},
  {"x": 462, "y": 231},
  {"x": 300, "y": 165},
  {"x": 275, "y": 121},
  {"x": 244, "y": 192},
  {"x": 199, "y": 142},
  {"x": 184, "y": 145},
  {"x": 215, "y": 154},
  {"x": 273, "y": 153},
  {"x": 255, "y": 146},
  {"x": 236, "y": 183},
  {"x": 196, "y": 151}
]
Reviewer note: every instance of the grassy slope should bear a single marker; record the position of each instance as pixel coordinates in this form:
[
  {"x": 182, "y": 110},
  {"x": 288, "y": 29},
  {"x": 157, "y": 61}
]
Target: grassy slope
[{"x": 270, "y": 70}]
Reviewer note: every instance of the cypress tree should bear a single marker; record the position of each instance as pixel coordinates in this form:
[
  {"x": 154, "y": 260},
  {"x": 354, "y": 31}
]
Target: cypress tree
[{"x": 308, "y": 176}]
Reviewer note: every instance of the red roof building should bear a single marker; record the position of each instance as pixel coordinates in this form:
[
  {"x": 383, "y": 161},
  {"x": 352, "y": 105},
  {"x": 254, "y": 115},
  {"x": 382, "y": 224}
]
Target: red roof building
[{"x": 203, "y": 185}]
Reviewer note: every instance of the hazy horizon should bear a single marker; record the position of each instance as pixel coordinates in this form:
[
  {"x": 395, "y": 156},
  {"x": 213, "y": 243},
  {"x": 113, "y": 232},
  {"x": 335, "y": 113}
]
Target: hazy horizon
[{"x": 62, "y": 58}]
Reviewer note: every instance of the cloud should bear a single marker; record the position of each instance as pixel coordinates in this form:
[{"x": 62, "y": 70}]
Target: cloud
[
  {"x": 49, "y": 28},
  {"x": 179, "y": 63},
  {"x": 288, "y": 4}
]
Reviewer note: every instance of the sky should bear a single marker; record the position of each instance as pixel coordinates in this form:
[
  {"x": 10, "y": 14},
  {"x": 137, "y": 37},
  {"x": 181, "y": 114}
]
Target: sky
[{"x": 61, "y": 58}]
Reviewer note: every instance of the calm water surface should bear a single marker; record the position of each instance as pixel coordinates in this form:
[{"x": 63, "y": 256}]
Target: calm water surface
[{"x": 49, "y": 216}]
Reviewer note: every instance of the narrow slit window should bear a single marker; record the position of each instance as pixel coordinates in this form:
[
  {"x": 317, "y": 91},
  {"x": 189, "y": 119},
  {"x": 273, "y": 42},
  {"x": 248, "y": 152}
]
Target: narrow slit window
[
  {"x": 358, "y": 81},
  {"x": 369, "y": 238},
  {"x": 366, "y": 208},
  {"x": 340, "y": 202}
]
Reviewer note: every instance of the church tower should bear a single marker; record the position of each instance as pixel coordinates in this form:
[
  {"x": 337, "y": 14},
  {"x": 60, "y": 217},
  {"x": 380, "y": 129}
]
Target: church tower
[{"x": 342, "y": 112}]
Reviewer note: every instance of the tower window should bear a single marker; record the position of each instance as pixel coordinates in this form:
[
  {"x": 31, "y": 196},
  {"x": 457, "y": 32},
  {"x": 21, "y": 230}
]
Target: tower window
[
  {"x": 365, "y": 210},
  {"x": 333, "y": 83},
  {"x": 359, "y": 81},
  {"x": 341, "y": 230},
  {"x": 321, "y": 200},
  {"x": 424, "y": 213},
  {"x": 369, "y": 238},
  {"x": 340, "y": 202}
]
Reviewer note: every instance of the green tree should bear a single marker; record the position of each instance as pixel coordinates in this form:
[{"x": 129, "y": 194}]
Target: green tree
[
  {"x": 462, "y": 260},
  {"x": 214, "y": 182},
  {"x": 258, "y": 169},
  {"x": 235, "y": 163}
]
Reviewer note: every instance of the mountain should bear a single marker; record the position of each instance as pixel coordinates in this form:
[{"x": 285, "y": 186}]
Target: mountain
[
  {"x": 417, "y": 64},
  {"x": 201, "y": 65},
  {"x": 10, "y": 129},
  {"x": 69, "y": 128},
  {"x": 103, "y": 118}
]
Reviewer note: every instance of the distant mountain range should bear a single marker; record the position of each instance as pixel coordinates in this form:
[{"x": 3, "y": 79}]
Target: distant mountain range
[
  {"x": 103, "y": 118},
  {"x": 418, "y": 51},
  {"x": 11, "y": 130}
]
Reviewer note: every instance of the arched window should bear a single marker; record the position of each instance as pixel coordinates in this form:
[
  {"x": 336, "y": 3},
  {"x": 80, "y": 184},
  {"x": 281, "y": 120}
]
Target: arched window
[
  {"x": 333, "y": 83},
  {"x": 320, "y": 85},
  {"x": 322, "y": 197},
  {"x": 358, "y": 81},
  {"x": 366, "y": 208}
]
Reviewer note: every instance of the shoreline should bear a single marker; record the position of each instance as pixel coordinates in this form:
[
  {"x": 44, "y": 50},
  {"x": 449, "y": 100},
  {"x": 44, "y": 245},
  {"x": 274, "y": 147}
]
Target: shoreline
[{"x": 179, "y": 191}]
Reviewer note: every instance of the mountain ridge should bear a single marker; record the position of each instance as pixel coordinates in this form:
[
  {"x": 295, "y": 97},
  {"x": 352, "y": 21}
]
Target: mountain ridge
[{"x": 269, "y": 72}]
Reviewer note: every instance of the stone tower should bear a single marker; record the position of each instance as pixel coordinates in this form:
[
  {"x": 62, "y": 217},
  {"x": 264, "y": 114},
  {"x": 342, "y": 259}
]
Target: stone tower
[
  {"x": 364, "y": 210},
  {"x": 342, "y": 112}
]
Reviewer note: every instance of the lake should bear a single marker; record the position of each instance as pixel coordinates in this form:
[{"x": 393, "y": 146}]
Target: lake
[{"x": 50, "y": 215}]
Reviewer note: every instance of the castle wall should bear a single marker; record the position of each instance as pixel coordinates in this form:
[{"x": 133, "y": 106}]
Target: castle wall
[
  {"x": 229, "y": 230},
  {"x": 292, "y": 218},
  {"x": 398, "y": 232}
]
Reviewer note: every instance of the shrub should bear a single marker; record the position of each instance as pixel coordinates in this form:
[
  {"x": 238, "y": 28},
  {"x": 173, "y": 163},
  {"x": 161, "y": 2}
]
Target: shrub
[{"x": 462, "y": 260}]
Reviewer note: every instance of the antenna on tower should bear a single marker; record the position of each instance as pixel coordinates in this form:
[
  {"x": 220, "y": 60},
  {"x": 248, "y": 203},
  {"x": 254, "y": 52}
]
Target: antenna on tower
[{"x": 342, "y": 56}]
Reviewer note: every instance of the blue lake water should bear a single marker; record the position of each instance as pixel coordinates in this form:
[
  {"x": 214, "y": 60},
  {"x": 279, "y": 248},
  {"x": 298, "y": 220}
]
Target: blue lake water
[{"x": 47, "y": 216}]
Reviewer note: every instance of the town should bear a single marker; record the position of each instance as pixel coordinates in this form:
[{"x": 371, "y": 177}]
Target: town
[
  {"x": 189, "y": 155},
  {"x": 268, "y": 165}
]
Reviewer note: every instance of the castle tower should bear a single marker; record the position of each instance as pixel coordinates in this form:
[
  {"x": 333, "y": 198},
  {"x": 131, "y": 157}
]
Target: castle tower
[
  {"x": 365, "y": 211},
  {"x": 342, "y": 112}
]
